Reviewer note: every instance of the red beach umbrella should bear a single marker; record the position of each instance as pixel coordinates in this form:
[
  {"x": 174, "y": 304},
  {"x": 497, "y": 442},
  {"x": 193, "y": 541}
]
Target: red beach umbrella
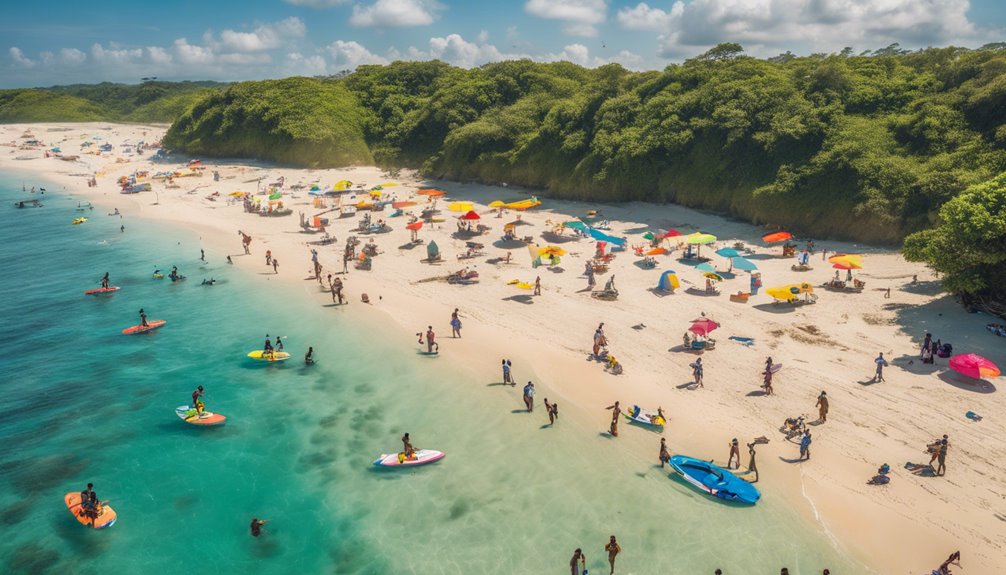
[
  {"x": 776, "y": 237},
  {"x": 703, "y": 326},
  {"x": 974, "y": 366},
  {"x": 471, "y": 215},
  {"x": 415, "y": 226}
]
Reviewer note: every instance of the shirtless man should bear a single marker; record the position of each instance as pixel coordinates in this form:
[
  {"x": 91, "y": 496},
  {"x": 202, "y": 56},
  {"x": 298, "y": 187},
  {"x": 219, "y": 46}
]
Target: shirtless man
[
  {"x": 665, "y": 455},
  {"x": 577, "y": 556},
  {"x": 431, "y": 345},
  {"x": 616, "y": 410},
  {"x": 407, "y": 448},
  {"x": 735, "y": 451},
  {"x": 613, "y": 550}
]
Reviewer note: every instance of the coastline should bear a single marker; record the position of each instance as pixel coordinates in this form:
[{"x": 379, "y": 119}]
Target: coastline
[{"x": 828, "y": 345}]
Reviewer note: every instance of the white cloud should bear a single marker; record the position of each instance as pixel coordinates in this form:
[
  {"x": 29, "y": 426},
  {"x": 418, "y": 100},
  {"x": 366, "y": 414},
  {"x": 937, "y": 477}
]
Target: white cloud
[
  {"x": 192, "y": 54},
  {"x": 158, "y": 55},
  {"x": 72, "y": 56},
  {"x": 18, "y": 56},
  {"x": 264, "y": 36},
  {"x": 352, "y": 54},
  {"x": 395, "y": 13},
  {"x": 316, "y": 3},
  {"x": 115, "y": 54},
  {"x": 575, "y": 53},
  {"x": 298, "y": 64},
  {"x": 483, "y": 36},
  {"x": 643, "y": 17},
  {"x": 580, "y": 16}
]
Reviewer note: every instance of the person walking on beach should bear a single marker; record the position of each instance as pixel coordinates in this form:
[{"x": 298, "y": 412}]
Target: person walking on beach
[
  {"x": 345, "y": 263},
  {"x": 881, "y": 364},
  {"x": 822, "y": 407},
  {"x": 455, "y": 324},
  {"x": 578, "y": 556},
  {"x": 664, "y": 454},
  {"x": 805, "y": 445},
  {"x": 548, "y": 411},
  {"x": 256, "y": 526},
  {"x": 767, "y": 378},
  {"x": 613, "y": 550},
  {"x": 735, "y": 451},
  {"x": 337, "y": 290},
  {"x": 507, "y": 377},
  {"x": 697, "y": 372},
  {"x": 751, "y": 461},
  {"x": 246, "y": 241},
  {"x": 599, "y": 340},
  {"x": 616, "y": 410},
  {"x": 529, "y": 396},
  {"x": 275, "y": 266},
  {"x": 268, "y": 257},
  {"x": 537, "y": 285},
  {"x": 941, "y": 456}
]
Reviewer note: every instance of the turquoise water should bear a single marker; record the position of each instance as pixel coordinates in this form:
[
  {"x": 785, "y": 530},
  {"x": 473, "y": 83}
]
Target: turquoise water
[{"x": 84, "y": 403}]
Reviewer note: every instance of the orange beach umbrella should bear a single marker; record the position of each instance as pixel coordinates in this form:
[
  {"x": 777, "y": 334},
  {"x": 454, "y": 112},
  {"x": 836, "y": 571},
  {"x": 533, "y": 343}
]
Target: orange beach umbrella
[{"x": 776, "y": 237}]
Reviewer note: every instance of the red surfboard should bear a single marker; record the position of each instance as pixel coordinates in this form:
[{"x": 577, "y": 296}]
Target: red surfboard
[
  {"x": 151, "y": 325},
  {"x": 99, "y": 291}
]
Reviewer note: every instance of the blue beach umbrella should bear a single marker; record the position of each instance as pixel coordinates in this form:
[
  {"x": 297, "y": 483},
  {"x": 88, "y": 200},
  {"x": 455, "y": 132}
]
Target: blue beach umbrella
[
  {"x": 743, "y": 264},
  {"x": 705, "y": 267},
  {"x": 727, "y": 252}
]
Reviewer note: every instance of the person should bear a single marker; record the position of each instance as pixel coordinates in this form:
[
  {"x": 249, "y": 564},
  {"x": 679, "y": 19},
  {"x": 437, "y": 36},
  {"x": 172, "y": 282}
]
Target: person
[
  {"x": 275, "y": 266},
  {"x": 174, "y": 274},
  {"x": 537, "y": 285},
  {"x": 664, "y": 454},
  {"x": 407, "y": 448},
  {"x": 554, "y": 412},
  {"x": 881, "y": 364},
  {"x": 143, "y": 318},
  {"x": 229, "y": 260},
  {"x": 337, "y": 289},
  {"x": 196, "y": 402},
  {"x": 548, "y": 411},
  {"x": 927, "y": 345},
  {"x": 954, "y": 559},
  {"x": 767, "y": 378},
  {"x": 267, "y": 348},
  {"x": 104, "y": 281},
  {"x": 805, "y": 445},
  {"x": 455, "y": 325},
  {"x": 202, "y": 254},
  {"x": 735, "y": 451},
  {"x": 345, "y": 262},
  {"x": 279, "y": 343},
  {"x": 122, "y": 229},
  {"x": 616, "y": 410},
  {"x": 697, "y": 372},
  {"x": 941, "y": 456},
  {"x": 599, "y": 340},
  {"x": 507, "y": 378},
  {"x": 751, "y": 460},
  {"x": 268, "y": 257},
  {"x": 309, "y": 356},
  {"x": 529, "y": 396},
  {"x": 578, "y": 556},
  {"x": 822, "y": 406},
  {"x": 431, "y": 345},
  {"x": 613, "y": 550},
  {"x": 256, "y": 526},
  {"x": 208, "y": 282},
  {"x": 89, "y": 503}
]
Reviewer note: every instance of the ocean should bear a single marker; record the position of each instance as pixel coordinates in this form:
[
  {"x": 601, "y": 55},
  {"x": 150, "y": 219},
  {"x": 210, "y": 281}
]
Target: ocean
[{"x": 84, "y": 403}]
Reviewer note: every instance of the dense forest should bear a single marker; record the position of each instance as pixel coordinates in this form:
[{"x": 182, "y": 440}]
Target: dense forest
[{"x": 876, "y": 146}]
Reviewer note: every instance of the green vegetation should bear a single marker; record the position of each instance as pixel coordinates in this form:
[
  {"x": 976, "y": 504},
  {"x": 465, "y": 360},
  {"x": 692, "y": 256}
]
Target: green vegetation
[{"x": 148, "y": 102}]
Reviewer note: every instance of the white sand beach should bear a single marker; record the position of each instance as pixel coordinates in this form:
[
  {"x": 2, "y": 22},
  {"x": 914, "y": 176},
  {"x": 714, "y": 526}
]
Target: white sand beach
[{"x": 907, "y": 526}]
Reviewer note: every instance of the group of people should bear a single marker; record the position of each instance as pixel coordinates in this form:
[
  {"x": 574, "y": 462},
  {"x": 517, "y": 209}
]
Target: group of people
[{"x": 578, "y": 563}]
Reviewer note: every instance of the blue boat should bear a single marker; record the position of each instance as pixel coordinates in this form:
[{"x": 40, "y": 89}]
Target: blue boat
[{"x": 715, "y": 480}]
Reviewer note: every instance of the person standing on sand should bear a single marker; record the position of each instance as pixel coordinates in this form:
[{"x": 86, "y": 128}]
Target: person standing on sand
[
  {"x": 751, "y": 461},
  {"x": 767, "y": 378},
  {"x": 941, "y": 456},
  {"x": 275, "y": 266},
  {"x": 529, "y": 396},
  {"x": 735, "y": 451},
  {"x": 455, "y": 324},
  {"x": 268, "y": 257},
  {"x": 507, "y": 377},
  {"x": 548, "y": 411},
  {"x": 537, "y": 285},
  {"x": 664, "y": 455},
  {"x": 616, "y": 410},
  {"x": 881, "y": 364},
  {"x": 431, "y": 343},
  {"x": 245, "y": 241},
  {"x": 805, "y": 445},
  {"x": 697, "y": 372},
  {"x": 577, "y": 556},
  {"x": 613, "y": 550},
  {"x": 337, "y": 290},
  {"x": 822, "y": 406}
]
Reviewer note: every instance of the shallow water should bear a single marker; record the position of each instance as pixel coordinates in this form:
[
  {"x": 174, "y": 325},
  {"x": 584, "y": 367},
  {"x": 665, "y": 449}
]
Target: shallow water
[{"x": 84, "y": 403}]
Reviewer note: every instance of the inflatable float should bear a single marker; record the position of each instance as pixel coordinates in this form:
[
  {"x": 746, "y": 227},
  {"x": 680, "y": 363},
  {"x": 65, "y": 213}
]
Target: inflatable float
[
  {"x": 715, "y": 480},
  {"x": 100, "y": 291},
  {"x": 260, "y": 355},
  {"x": 151, "y": 326},
  {"x": 79, "y": 221},
  {"x": 420, "y": 457},
  {"x": 188, "y": 414},
  {"x": 106, "y": 515}
]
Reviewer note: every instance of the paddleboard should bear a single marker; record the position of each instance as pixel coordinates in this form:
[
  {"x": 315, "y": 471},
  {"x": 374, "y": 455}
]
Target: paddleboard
[
  {"x": 151, "y": 325},
  {"x": 100, "y": 291},
  {"x": 187, "y": 413},
  {"x": 260, "y": 355},
  {"x": 420, "y": 457},
  {"x": 106, "y": 516}
]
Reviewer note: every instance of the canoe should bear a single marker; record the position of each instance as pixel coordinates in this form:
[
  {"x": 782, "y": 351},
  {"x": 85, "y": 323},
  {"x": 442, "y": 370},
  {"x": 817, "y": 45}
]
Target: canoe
[
  {"x": 420, "y": 457},
  {"x": 260, "y": 355},
  {"x": 715, "y": 480},
  {"x": 99, "y": 291},
  {"x": 106, "y": 515},
  {"x": 645, "y": 417},
  {"x": 187, "y": 413},
  {"x": 151, "y": 326}
]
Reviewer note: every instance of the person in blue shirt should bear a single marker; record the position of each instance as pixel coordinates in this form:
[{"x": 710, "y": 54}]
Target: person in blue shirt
[{"x": 805, "y": 445}]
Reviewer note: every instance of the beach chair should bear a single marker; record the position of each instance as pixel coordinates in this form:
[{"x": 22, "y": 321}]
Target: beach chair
[{"x": 739, "y": 297}]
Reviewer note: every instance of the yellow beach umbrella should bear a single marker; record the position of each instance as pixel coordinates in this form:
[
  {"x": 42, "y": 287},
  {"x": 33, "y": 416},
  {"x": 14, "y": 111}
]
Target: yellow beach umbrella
[
  {"x": 551, "y": 251},
  {"x": 342, "y": 185},
  {"x": 460, "y": 206},
  {"x": 789, "y": 292},
  {"x": 375, "y": 193},
  {"x": 847, "y": 261},
  {"x": 495, "y": 204},
  {"x": 389, "y": 184},
  {"x": 700, "y": 238}
]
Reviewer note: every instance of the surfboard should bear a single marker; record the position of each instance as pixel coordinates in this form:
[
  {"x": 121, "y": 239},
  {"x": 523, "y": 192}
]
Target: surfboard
[
  {"x": 420, "y": 457},
  {"x": 100, "y": 291},
  {"x": 106, "y": 516},
  {"x": 151, "y": 326},
  {"x": 187, "y": 413},
  {"x": 260, "y": 355},
  {"x": 776, "y": 367}
]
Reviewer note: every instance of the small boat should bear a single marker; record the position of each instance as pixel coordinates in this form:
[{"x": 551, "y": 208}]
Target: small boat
[
  {"x": 715, "y": 480},
  {"x": 274, "y": 356},
  {"x": 78, "y": 221},
  {"x": 188, "y": 414},
  {"x": 645, "y": 417},
  {"x": 419, "y": 457},
  {"x": 106, "y": 515}
]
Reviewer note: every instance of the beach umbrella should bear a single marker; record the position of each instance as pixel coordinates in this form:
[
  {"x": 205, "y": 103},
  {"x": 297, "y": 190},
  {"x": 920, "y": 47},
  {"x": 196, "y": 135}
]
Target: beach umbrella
[
  {"x": 703, "y": 326},
  {"x": 649, "y": 236},
  {"x": 276, "y": 196},
  {"x": 656, "y": 252},
  {"x": 743, "y": 264},
  {"x": 375, "y": 193},
  {"x": 776, "y": 237},
  {"x": 705, "y": 267},
  {"x": 701, "y": 239},
  {"x": 668, "y": 281},
  {"x": 414, "y": 226},
  {"x": 713, "y": 276},
  {"x": 668, "y": 234},
  {"x": 973, "y": 365},
  {"x": 431, "y": 192},
  {"x": 236, "y": 194},
  {"x": 495, "y": 204},
  {"x": 847, "y": 261},
  {"x": 315, "y": 188},
  {"x": 403, "y": 204},
  {"x": 342, "y": 185},
  {"x": 519, "y": 223},
  {"x": 471, "y": 216},
  {"x": 576, "y": 225},
  {"x": 388, "y": 184},
  {"x": 460, "y": 206},
  {"x": 790, "y": 291},
  {"x": 728, "y": 252},
  {"x": 551, "y": 251}
]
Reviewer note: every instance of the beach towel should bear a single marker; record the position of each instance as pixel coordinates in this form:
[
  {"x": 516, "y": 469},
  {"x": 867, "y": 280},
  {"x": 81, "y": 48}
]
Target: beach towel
[
  {"x": 922, "y": 469},
  {"x": 746, "y": 341}
]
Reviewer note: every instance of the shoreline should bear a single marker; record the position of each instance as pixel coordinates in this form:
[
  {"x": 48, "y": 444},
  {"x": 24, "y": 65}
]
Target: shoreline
[{"x": 814, "y": 344}]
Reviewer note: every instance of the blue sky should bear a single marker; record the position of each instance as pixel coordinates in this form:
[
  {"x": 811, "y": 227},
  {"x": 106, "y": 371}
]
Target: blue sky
[{"x": 62, "y": 41}]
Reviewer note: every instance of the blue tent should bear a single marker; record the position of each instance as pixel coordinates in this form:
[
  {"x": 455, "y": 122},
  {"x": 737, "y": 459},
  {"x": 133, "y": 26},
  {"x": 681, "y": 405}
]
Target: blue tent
[{"x": 668, "y": 281}]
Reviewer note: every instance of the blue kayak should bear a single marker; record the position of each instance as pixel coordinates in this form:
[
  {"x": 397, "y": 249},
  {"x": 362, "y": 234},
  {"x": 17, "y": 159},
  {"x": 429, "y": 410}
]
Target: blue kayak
[{"x": 715, "y": 480}]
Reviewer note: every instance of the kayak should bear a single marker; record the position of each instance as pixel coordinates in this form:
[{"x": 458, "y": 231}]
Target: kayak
[
  {"x": 106, "y": 515},
  {"x": 187, "y": 413},
  {"x": 100, "y": 291},
  {"x": 420, "y": 457},
  {"x": 645, "y": 417},
  {"x": 151, "y": 326},
  {"x": 715, "y": 480},
  {"x": 260, "y": 355}
]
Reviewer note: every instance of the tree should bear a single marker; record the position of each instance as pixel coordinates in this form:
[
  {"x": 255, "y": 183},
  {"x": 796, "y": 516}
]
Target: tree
[{"x": 722, "y": 51}]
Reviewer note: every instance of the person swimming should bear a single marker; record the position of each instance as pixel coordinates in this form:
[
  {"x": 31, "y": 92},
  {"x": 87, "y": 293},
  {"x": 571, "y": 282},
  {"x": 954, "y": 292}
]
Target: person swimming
[
  {"x": 309, "y": 356},
  {"x": 209, "y": 282}
]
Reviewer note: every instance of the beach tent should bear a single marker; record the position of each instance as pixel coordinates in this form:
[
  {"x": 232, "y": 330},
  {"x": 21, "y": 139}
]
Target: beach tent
[
  {"x": 743, "y": 264},
  {"x": 847, "y": 261},
  {"x": 668, "y": 281},
  {"x": 776, "y": 237},
  {"x": 973, "y": 365},
  {"x": 789, "y": 292},
  {"x": 460, "y": 206},
  {"x": 342, "y": 185}
]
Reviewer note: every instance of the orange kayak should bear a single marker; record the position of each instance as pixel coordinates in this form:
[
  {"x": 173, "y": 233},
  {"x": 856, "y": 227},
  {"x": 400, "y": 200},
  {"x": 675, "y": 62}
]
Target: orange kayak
[{"x": 106, "y": 515}]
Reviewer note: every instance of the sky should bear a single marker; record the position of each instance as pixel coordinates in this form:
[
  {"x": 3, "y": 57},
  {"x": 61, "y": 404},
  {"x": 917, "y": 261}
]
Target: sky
[{"x": 69, "y": 41}]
